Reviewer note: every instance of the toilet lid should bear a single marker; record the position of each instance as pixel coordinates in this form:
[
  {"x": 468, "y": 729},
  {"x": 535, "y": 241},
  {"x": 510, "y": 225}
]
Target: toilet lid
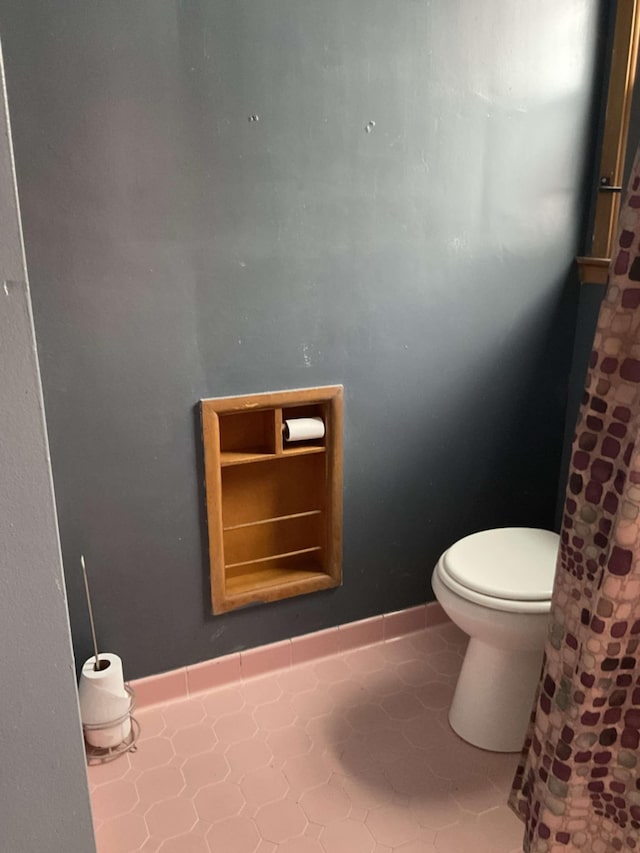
[{"x": 516, "y": 563}]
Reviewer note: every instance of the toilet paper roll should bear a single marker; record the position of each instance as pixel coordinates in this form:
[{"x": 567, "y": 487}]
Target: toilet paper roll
[
  {"x": 302, "y": 429},
  {"x": 104, "y": 700}
]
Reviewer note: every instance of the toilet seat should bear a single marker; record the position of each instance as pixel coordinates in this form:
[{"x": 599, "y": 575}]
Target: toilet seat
[{"x": 509, "y": 569}]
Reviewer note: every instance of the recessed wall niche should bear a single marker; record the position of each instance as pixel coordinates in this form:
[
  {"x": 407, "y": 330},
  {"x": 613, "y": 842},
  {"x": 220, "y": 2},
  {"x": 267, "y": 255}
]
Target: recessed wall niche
[{"x": 274, "y": 506}]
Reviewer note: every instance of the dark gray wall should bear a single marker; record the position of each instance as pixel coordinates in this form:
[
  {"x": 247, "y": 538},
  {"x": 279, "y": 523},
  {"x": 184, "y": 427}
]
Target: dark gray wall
[
  {"x": 178, "y": 250},
  {"x": 44, "y": 798}
]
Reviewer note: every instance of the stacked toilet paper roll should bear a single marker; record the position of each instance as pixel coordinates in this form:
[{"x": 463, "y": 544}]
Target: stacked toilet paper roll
[{"x": 104, "y": 702}]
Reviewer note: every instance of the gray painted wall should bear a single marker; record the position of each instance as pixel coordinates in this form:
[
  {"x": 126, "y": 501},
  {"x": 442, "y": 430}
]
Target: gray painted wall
[
  {"x": 178, "y": 250},
  {"x": 44, "y": 799}
]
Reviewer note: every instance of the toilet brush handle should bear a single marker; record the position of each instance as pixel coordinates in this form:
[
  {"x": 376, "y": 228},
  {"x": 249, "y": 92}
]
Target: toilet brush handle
[{"x": 96, "y": 664}]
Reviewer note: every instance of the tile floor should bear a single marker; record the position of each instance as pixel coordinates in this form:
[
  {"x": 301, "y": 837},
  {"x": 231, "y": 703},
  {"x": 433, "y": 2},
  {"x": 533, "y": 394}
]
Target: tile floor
[{"x": 348, "y": 754}]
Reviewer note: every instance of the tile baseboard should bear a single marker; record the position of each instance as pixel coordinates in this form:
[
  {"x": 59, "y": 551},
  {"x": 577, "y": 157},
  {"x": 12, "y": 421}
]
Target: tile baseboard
[{"x": 230, "y": 669}]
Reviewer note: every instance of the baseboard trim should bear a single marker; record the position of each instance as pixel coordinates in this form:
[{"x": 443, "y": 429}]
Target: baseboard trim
[{"x": 230, "y": 669}]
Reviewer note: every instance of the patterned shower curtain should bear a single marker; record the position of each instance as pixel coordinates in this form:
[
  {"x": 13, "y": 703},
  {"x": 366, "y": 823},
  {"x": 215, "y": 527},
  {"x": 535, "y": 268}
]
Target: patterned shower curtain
[{"x": 577, "y": 786}]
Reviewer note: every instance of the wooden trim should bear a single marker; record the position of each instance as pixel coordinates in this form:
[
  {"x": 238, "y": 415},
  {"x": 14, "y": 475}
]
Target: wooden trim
[
  {"x": 616, "y": 129},
  {"x": 593, "y": 270},
  {"x": 273, "y": 399},
  {"x": 252, "y": 479},
  {"x": 213, "y": 488},
  {"x": 334, "y": 490}
]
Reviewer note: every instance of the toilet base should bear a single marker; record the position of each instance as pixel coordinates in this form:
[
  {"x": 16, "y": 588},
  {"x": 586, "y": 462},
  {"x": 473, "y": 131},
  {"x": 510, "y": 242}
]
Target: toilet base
[{"x": 494, "y": 696}]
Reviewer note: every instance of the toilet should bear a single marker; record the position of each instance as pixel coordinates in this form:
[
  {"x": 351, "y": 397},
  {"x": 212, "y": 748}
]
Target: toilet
[{"x": 496, "y": 586}]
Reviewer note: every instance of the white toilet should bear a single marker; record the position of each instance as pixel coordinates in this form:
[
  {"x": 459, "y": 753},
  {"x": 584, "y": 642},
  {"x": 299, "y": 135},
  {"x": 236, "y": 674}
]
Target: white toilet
[{"x": 496, "y": 587}]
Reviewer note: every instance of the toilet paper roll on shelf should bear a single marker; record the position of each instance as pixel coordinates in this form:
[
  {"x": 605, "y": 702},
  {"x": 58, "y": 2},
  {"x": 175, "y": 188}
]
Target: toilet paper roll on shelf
[
  {"x": 105, "y": 703},
  {"x": 303, "y": 429}
]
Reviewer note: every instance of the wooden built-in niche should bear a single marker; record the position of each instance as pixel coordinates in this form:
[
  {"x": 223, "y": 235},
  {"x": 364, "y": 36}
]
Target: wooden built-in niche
[{"x": 274, "y": 508}]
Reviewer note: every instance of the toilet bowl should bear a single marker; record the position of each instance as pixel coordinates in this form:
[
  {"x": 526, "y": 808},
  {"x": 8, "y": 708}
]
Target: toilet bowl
[{"x": 496, "y": 587}]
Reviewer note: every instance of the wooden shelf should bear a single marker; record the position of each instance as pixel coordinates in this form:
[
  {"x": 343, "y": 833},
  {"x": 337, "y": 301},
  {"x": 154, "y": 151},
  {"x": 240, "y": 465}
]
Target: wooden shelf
[
  {"x": 250, "y": 588},
  {"x": 230, "y": 457},
  {"x": 274, "y": 508},
  {"x": 271, "y": 520},
  {"x": 272, "y": 557}
]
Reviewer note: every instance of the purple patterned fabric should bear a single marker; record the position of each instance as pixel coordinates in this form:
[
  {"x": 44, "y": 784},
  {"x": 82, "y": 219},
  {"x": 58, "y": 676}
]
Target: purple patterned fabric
[{"x": 578, "y": 782}]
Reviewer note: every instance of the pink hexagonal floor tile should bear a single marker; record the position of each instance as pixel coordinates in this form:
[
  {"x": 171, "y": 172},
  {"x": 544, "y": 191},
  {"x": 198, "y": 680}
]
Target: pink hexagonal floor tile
[
  {"x": 280, "y": 821},
  {"x": 159, "y": 783},
  {"x": 332, "y": 669},
  {"x": 301, "y": 845},
  {"x": 451, "y": 634},
  {"x": 298, "y": 679},
  {"x": 501, "y": 823},
  {"x": 366, "y": 791},
  {"x": 366, "y": 661},
  {"x": 501, "y": 767},
  {"x": 247, "y": 755},
  {"x": 352, "y": 757},
  {"x": 188, "y": 843},
  {"x": 347, "y": 836},
  {"x": 219, "y": 801},
  {"x": 436, "y": 808},
  {"x": 234, "y": 835},
  {"x": 403, "y": 706},
  {"x": 151, "y": 845},
  {"x": 307, "y": 771},
  {"x": 151, "y": 721},
  {"x": 275, "y": 715},
  {"x": 222, "y": 700},
  {"x": 475, "y": 793},
  {"x": 100, "y": 774},
  {"x": 435, "y": 695},
  {"x": 453, "y": 759},
  {"x": 463, "y": 836},
  {"x": 124, "y": 834},
  {"x": 260, "y": 691},
  {"x": 382, "y": 684},
  {"x": 113, "y": 799},
  {"x": 393, "y": 825},
  {"x": 415, "y": 672},
  {"x": 329, "y": 731},
  {"x": 418, "y": 845},
  {"x": 204, "y": 769},
  {"x": 152, "y": 753},
  {"x": 399, "y": 650},
  {"x": 401, "y": 736},
  {"x": 390, "y": 744},
  {"x": 194, "y": 740},
  {"x": 232, "y": 728},
  {"x": 313, "y": 703},
  {"x": 171, "y": 817},
  {"x": 186, "y": 712},
  {"x": 326, "y": 803},
  {"x": 445, "y": 663},
  {"x": 287, "y": 743},
  {"x": 367, "y": 718},
  {"x": 264, "y": 785},
  {"x": 423, "y": 734},
  {"x": 411, "y": 775}
]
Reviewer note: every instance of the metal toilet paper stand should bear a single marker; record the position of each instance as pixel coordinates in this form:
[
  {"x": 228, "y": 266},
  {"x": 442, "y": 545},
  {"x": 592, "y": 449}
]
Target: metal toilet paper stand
[{"x": 102, "y": 755}]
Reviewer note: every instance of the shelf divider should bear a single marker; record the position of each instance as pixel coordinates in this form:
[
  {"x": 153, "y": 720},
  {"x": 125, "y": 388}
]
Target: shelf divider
[
  {"x": 274, "y": 519},
  {"x": 278, "y": 427},
  {"x": 273, "y": 557},
  {"x": 233, "y": 457}
]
